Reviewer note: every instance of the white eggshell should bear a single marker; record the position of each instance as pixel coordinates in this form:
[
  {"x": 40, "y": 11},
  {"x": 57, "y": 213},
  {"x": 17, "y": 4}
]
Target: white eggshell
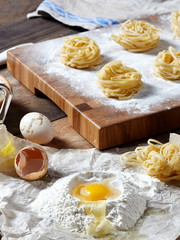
[{"x": 37, "y": 128}]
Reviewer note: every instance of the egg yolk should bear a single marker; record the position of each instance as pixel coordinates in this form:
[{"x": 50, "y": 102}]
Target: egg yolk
[{"x": 94, "y": 191}]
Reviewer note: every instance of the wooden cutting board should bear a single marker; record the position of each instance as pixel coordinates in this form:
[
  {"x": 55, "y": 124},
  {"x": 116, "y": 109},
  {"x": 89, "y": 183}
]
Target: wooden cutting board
[{"x": 103, "y": 125}]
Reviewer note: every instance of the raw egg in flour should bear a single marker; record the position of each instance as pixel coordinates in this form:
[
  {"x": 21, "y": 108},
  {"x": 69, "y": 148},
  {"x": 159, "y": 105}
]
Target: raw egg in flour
[
  {"x": 31, "y": 163},
  {"x": 93, "y": 203},
  {"x": 95, "y": 191},
  {"x": 93, "y": 198}
]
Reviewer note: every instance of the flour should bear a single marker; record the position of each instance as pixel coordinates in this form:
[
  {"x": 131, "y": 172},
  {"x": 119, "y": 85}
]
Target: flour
[
  {"x": 29, "y": 211},
  {"x": 56, "y": 204},
  {"x": 155, "y": 91}
]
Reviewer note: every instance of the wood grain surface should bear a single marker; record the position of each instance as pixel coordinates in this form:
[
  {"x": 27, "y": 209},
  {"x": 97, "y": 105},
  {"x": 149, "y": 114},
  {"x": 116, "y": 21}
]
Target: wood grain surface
[
  {"x": 15, "y": 28},
  {"x": 100, "y": 124}
]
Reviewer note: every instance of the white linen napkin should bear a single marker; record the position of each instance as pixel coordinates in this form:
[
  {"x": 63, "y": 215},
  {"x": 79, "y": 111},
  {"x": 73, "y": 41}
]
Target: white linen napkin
[{"x": 91, "y": 14}]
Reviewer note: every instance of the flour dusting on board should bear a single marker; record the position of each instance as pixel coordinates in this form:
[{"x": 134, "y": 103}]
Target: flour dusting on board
[{"x": 155, "y": 91}]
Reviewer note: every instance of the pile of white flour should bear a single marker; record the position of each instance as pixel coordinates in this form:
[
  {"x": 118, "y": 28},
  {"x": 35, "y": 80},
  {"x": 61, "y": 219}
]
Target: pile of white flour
[{"x": 55, "y": 204}]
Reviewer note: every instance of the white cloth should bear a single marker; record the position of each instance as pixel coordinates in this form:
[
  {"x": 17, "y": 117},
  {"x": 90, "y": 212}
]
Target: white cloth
[{"x": 91, "y": 14}]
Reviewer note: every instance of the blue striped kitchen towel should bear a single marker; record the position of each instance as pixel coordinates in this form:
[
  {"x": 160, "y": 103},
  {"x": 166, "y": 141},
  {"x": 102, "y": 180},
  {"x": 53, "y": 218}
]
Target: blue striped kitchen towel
[{"x": 91, "y": 14}]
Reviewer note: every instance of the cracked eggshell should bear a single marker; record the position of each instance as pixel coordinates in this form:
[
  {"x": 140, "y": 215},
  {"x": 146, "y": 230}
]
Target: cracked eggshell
[
  {"x": 31, "y": 163},
  {"x": 37, "y": 128}
]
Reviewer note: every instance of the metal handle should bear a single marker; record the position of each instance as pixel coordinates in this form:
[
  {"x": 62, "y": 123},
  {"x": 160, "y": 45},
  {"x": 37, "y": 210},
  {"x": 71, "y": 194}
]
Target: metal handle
[{"x": 6, "y": 101}]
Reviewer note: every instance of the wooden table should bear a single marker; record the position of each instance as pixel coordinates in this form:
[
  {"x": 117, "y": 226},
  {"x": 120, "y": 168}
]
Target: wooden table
[{"x": 15, "y": 29}]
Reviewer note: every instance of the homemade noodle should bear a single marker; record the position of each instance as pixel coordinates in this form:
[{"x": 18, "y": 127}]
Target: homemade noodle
[
  {"x": 118, "y": 81},
  {"x": 137, "y": 36},
  {"x": 167, "y": 64},
  {"x": 175, "y": 23},
  {"x": 158, "y": 160},
  {"x": 80, "y": 52}
]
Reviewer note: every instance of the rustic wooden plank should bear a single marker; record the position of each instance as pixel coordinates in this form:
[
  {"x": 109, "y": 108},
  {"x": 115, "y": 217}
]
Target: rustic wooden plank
[
  {"x": 15, "y": 28},
  {"x": 10, "y": 10},
  {"x": 38, "y": 29}
]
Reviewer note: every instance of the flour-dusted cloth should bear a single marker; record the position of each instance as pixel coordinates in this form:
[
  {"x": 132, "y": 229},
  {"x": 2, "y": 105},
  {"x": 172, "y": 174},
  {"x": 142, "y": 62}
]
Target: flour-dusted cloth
[{"x": 91, "y": 14}]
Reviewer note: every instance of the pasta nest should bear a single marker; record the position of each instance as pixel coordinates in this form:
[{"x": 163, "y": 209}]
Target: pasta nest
[
  {"x": 158, "y": 160},
  {"x": 137, "y": 36},
  {"x": 80, "y": 52},
  {"x": 167, "y": 64},
  {"x": 118, "y": 81},
  {"x": 175, "y": 23}
]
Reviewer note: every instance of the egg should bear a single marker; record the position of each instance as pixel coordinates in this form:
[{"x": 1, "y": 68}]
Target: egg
[
  {"x": 95, "y": 191},
  {"x": 31, "y": 163},
  {"x": 93, "y": 196},
  {"x": 92, "y": 203},
  {"x": 37, "y": 128}
]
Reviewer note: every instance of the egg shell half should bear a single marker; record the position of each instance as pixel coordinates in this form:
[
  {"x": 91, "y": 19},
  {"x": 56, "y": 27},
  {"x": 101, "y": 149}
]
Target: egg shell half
[
  {"x": 37, "y": 128},
  {"x": 24, "y": 163}
]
